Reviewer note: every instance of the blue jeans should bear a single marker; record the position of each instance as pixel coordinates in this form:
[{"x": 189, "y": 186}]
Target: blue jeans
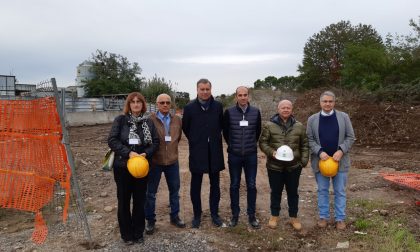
[
  {"x": 172, "y": 179},
  {"x": 339, "y": 185},
  {"x": 249, "y": 164}
]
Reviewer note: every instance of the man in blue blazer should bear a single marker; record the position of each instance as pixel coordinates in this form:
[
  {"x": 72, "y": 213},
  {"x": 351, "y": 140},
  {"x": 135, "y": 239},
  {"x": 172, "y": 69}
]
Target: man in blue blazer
[{"x": 330, "y": 134}]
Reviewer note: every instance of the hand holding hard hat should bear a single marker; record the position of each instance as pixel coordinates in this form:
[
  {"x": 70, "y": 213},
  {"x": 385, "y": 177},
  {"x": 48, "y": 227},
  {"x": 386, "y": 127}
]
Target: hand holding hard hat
[
  {"x": 138, "y": 166},
  {"x": 284, "y": 153},
  {"x": 328, "y": 167}
]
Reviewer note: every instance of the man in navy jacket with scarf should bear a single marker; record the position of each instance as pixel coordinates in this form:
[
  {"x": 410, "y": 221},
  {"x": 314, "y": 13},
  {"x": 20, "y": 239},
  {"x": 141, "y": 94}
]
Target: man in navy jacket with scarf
[
  {"x": 202, "y": 124},
  {"x": 330, "y": 134}
]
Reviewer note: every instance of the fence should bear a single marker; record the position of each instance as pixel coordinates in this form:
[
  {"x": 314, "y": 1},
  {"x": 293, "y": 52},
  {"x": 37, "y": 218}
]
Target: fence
[
  {"x": 91, "y": 111},
  {"x": 99, "y": 104},
  {"x": 36, "y": 164},
  {"x": 93, "y": 104},
  {"x": 76, "y": 104}
]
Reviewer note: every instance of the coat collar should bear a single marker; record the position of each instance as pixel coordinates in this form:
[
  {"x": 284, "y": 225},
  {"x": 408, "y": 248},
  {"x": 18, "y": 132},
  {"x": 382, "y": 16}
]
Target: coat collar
[
  {"x": 277, "y": 120},
  {"x": 240, "y": 109}
]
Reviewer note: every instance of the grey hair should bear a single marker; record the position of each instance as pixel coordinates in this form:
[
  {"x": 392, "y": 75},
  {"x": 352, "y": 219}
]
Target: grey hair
[
  {"x": 247, "y": 89},
  {"x": 327, "y": 93},
  {"x": 163, "y": 95},
  {"x": 283, "y": 101}
]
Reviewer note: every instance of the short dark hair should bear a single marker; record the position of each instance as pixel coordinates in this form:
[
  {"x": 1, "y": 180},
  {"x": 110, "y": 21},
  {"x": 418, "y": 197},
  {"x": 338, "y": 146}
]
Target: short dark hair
[
  {"x": 130, "y": 97},
  {"x": 203, "y": 81}
]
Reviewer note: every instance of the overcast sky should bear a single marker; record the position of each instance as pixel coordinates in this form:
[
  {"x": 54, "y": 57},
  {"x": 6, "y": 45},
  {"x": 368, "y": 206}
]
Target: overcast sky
[{"x": 230, "y": 42}]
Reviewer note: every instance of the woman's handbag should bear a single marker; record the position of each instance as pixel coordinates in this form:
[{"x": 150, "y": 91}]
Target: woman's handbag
[{"x": 108, "y": 161}]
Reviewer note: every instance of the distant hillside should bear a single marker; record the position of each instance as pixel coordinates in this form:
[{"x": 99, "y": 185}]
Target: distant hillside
[
  {"x": 375, "y": 124},
  {"x": 266, "y": 100}
]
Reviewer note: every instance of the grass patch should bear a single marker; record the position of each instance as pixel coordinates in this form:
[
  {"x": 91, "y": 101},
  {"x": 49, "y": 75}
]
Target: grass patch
[
  {"x": 383, "y": 232},
  {"x": 395, "y": 237},
  {"x": 3, "y": 213},
  {"x": 269, "y": 240},
  {"x": 242, "y": 231},
  {"x": 363, "y": 224},
  {"x": 368, "y": 205}
]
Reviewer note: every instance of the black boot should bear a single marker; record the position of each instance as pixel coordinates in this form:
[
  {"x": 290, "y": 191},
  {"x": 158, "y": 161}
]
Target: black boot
[
  {"x": 253, "y": 222},
  {"x": 150, "y": 227},
  {"x": 233, "y": 221},
  {"x": 177, "y": 222}
]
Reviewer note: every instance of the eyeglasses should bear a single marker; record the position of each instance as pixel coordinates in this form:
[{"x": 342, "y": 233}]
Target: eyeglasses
[
  {"x": 164, "y": 102},
  {"x": 331, "y": 101}
]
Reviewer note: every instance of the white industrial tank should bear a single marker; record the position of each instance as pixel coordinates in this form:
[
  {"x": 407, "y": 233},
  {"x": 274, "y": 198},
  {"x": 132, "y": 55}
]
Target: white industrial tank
[{"x": 83, "y": 73}]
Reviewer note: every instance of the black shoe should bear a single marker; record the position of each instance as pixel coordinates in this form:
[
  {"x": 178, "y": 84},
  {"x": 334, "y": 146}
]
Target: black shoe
[
  {"x": 254, "y": 222},
  {"x": 150, "y": 227},
  {"x": 196, "y": 222},
  {"x": 233, "y": 221},
  {"x": 139, "y": 240},
  {"x": 177, "y": 222},
  {"x": 128, "y": 242},
  {"x": 217, "y": 221}
]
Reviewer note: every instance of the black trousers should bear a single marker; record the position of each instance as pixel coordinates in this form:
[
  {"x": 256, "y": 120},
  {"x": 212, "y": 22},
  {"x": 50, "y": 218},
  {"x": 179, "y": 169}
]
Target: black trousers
[
  {"x": 195, "y": 193},
  {"x": 131, "y": 221},
  {"x": 277, "y": 182}
]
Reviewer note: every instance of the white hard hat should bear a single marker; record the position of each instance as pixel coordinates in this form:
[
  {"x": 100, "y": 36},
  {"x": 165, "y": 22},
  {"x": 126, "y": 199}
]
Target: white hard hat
[{"x": 284, "y": 153}]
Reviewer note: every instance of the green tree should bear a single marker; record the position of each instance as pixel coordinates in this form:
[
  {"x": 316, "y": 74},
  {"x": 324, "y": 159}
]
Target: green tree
[
  {"x": 364, "y": 66},
  {"x": 181, "y": 99},
  {"x": 284, "y": 83},
  {"x": 404, "y": 52},
  {"x": 113, "y": 74},
  {"x": 288, "y": 83},
  {"x": 156, "y": 86},
  {"x": 258, "y": 84},
  {"x": 324, "y": 52},
  {"x": 268, "y": 82},
  {"x": 226, "y": 100}
]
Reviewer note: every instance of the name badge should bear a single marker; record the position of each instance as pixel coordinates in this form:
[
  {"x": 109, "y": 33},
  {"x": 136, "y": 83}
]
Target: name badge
[
  {"x": 168, "y": 138},
  {"x": 133, "y": 141},
  {"x": 243, "y": 123}
]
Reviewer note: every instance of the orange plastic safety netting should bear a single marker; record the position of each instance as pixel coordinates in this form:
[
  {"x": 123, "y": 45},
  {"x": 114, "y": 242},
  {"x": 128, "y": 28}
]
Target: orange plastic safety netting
[
  {"x": 411, "y": 180},
  {"x": 32, "y": 158}
]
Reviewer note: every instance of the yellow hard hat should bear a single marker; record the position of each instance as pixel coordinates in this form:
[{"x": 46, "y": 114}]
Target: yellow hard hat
[
  {"x": 329, "y": 167},
  {"x": 138, "y": 166}
]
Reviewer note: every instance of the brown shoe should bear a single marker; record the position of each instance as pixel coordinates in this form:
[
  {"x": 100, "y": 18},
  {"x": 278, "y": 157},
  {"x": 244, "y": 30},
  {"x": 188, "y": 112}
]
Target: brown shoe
[
  {"x": 340, "y": 225},
  {"x": 272, "y": 223},
  {"x": 295, "y": 224},
  {"x": 322, "y": 223}
]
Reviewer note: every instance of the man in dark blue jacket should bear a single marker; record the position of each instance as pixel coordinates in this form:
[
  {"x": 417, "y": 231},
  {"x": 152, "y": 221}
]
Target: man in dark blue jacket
[
  {"x": 202, "y": 125},
  {"x": 241, "y": 130}
]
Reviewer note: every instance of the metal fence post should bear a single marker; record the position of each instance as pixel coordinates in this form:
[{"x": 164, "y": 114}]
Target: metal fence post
[
  {"x": 71, "y": 162},
  {"x": 104, "y": 103},
  {"x": 63, "y": 105}
]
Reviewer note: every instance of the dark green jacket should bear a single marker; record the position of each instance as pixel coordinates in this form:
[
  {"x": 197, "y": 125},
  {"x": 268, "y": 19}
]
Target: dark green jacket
[{"x": 276, "y": 134}]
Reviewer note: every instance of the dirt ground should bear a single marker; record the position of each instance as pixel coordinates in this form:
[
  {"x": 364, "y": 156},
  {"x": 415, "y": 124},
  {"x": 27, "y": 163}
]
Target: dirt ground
[{"x": 369, "y": 160}]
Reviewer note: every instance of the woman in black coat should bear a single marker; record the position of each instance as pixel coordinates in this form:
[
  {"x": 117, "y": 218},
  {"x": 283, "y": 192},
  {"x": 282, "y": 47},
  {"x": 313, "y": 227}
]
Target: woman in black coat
[{"x": 132, "y": 134}]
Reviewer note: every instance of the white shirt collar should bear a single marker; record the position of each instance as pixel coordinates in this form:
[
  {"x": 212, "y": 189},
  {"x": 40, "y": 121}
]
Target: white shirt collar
[{"x": 327, "y": 114}]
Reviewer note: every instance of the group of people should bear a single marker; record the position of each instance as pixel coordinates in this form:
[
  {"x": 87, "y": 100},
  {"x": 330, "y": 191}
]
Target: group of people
[{"x": 329, "y": 133}]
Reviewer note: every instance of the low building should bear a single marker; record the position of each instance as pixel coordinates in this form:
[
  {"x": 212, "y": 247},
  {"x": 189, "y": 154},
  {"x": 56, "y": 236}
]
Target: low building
[{"x": 9, "y": 89}]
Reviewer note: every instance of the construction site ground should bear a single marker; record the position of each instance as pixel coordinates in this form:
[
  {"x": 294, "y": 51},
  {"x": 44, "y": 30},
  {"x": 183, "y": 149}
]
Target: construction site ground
[{"x": 387, "y": 141}]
